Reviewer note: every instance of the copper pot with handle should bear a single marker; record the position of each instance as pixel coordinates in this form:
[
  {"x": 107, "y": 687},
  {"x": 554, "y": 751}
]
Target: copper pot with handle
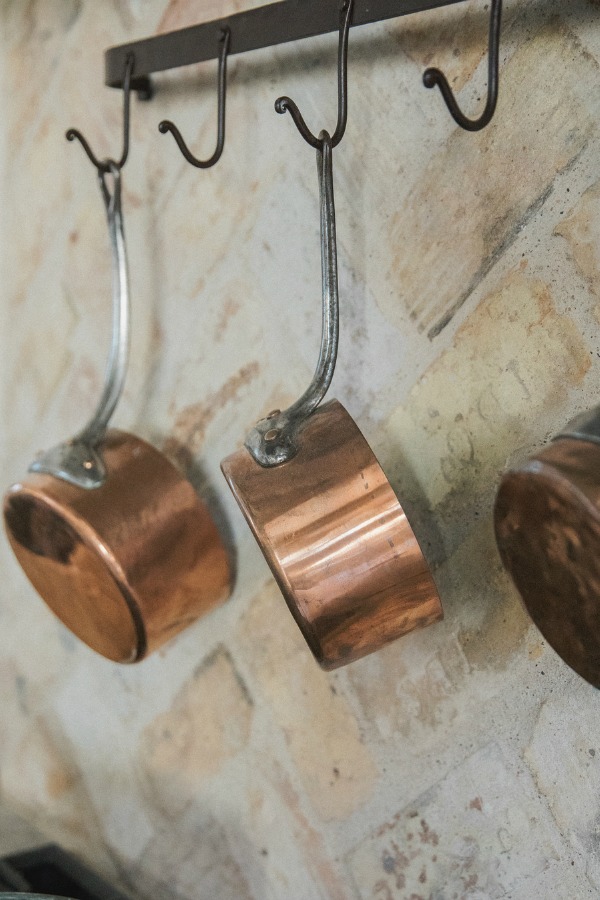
[
  {"x": 321, "y": 508},
  {"x": 108, "y": 531},
  {"x": 547, "y": 522}
]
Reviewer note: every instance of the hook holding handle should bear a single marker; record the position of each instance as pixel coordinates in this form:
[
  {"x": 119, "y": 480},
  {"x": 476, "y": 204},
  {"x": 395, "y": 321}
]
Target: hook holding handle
[
  {"x": 433, "y": 77},
  {"x": 285, "y": 104},
  {"x": 273, "y": 440},
  {"x": 105, "y": 166},
  {"x": 166, "y": 125}
]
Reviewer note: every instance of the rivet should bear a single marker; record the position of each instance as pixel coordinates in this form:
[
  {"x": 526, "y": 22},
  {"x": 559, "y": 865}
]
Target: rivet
[
  {"x": 274, "y": 413},
  {"x": 87, "y": 464},
  {"x": 272, "y": 434}
]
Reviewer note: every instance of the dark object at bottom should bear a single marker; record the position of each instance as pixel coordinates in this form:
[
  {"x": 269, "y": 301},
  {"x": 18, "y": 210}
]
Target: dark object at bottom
[{"x": 50, "y": 870}]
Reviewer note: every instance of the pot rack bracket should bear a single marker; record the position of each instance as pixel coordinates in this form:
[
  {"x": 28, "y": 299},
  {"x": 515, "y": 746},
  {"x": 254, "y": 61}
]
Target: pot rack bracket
[{"x": 265, "y": 26}]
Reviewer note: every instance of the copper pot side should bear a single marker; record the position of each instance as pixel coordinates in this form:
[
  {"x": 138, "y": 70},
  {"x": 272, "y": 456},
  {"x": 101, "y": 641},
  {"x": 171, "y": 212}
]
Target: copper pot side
[
  {"x": 125, "y": 566},
  {"x": 337, "y": 540},
  {"x": 547, "y": 521}
]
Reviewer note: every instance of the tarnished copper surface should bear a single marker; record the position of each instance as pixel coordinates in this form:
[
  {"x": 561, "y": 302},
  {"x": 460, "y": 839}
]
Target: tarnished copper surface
[
  {"x": 337, "y": 540},
  {"x": 125, "y": 566},
  {"x": 547, "y": 520}
]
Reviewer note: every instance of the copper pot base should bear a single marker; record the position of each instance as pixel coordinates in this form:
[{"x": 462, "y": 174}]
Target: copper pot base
[
  {"x": 547, "y": 520},
  {"x": 337, "y": 540},
  {"x": 125, "y": 566}
]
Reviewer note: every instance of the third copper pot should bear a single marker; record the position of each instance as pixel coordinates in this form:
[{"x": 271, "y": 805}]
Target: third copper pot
[{"x": 547, "y": 520}]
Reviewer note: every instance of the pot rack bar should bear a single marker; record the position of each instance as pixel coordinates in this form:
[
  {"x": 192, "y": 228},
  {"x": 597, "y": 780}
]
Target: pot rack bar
[{"x": 265, "y": 26}]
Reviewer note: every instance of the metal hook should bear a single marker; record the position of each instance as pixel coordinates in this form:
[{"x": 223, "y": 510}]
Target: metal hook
[
  {"x": 274, "y": 440},
  {"x": 285, "y": 104},
  {"x": 104, "y": 166},
  {"x": 431, "y": 77},
  {"x": 166, "y": 125}
]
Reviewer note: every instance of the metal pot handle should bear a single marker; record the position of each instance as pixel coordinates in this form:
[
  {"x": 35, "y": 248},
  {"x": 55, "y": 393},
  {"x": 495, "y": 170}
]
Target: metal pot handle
[
  {"x": 116, "y": 367},
  {"x": 273, "y": 440},
  {"x": 79, "y": 460}
]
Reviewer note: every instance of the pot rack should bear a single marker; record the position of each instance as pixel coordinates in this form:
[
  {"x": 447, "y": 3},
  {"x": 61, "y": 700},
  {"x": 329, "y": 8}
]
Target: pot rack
[{"x": 265, "y": 26}]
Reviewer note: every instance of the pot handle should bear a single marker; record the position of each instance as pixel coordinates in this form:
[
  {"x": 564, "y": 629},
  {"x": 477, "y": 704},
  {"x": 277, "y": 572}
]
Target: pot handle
[
  {"x": 116, "y": 367},
  {"x": 272, "y": 441},
  {"x": 79, "y": 460}
]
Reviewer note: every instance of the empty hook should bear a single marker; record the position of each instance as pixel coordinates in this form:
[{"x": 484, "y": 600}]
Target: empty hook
[
  {"x": 105, "y": 166},
  {"x": 166, "y": 125},
  {"x": 431, "y": 77},
  {"x": 285, "y": 104}
]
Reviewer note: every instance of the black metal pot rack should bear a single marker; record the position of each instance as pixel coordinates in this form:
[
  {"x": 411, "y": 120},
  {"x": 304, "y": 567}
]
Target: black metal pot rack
[{"x": 265, "y": 26}]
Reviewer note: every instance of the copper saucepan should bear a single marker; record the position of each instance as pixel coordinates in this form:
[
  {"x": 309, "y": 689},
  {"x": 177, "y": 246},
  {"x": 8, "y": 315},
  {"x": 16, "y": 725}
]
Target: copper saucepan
[
  {"x": 547, "y": 521},
  {"x": 107, "y": 530},
  {"x": 324, "y": 514}
]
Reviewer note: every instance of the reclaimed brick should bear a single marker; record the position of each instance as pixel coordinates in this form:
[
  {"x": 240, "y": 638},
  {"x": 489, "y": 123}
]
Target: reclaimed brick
[
  {"x": 482, "y": 397},
  {"x": 476, "y": 834},
  {"x": 475, "y": 196},
  {"x": 564, "y": 758},
  {"x": 580, "y": 228},
  {"x": 336, "y": 769},
  {"x": 208, "y": 724},
  {"x": 200, "y": 865},
  {"x": 409, "y": 690}
]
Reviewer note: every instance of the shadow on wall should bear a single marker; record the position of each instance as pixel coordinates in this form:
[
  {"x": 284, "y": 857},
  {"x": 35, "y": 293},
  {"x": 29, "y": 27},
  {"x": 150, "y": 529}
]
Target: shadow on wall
[{"x": 182, "y": 457}]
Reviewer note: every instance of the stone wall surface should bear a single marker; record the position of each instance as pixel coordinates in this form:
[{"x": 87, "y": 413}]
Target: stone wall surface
[{"x": 464, "y": 760}]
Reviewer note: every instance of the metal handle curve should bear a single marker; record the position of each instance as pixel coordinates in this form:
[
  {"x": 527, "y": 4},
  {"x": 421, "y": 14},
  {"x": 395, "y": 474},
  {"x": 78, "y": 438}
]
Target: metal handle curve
[
  {"x": 79, "y": 461},
  {"x": 118, "y": 358},
  {"x": 273, "y": 440}
]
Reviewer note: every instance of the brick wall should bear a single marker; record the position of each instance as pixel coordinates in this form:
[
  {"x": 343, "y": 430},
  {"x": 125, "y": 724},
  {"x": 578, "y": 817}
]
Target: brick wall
[{"x": 464, "y": 760}]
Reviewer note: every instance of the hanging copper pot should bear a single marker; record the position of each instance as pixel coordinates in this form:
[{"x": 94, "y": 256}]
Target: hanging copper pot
[
  {"x": 107, "y": 530},
  {"x": 547, "y": 521},
  {"x": 324, "y": 514},
  {"x": 336, "y": 539}
]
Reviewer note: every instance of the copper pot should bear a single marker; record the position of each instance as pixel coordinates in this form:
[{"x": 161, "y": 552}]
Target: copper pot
[
  {"x": 323, "y": 512},
  {"x": 107, "y": 530},
  {"x": 337, "y": 540},
  {"x": 547, "y": 521}
]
